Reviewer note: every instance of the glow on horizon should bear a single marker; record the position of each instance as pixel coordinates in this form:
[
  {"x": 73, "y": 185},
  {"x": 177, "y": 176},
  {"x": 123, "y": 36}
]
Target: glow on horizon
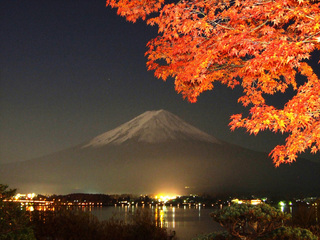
[{"x": 165, "y": 197}]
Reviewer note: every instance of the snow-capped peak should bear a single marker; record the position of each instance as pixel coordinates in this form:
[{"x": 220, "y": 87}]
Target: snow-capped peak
[{"x": 152, "y": 127}]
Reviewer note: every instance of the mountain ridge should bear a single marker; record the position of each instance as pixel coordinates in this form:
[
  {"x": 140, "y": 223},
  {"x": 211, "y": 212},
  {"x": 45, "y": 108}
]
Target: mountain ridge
[{"x": 183, "y": 156}]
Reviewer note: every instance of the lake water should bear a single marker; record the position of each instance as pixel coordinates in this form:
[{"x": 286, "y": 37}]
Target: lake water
[{"x": 186, "y": 222}]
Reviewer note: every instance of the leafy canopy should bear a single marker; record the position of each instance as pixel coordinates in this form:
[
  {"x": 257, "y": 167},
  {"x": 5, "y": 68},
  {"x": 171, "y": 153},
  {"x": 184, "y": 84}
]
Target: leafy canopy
[
  {"x": 249, "y": 221},
  {"x": 260, "y": 45},
  {"x": 256, "y": 222},
  {"x": 13, "y": 220}
]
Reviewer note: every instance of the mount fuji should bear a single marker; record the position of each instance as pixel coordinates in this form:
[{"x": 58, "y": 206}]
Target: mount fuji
[
  {"x": 157, "y": 152},
  {"x": 152, "y": 127}
]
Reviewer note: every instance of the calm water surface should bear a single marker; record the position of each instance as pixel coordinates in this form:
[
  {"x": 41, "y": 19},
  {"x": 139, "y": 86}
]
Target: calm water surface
[{"x": 187, "y": 222}]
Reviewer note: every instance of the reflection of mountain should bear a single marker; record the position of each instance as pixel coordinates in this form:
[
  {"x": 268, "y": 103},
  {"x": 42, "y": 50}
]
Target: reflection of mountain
[{"x": 155, "y": 152}]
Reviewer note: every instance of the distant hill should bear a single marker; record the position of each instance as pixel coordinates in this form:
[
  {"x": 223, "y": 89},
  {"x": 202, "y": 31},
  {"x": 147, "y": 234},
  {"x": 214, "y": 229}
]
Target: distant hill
[{"x": 158, "y": 152}]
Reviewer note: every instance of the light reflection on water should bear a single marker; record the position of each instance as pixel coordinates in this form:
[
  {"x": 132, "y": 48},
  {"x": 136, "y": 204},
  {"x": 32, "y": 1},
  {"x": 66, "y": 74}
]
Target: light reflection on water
[{"x": 186, "y": 222}]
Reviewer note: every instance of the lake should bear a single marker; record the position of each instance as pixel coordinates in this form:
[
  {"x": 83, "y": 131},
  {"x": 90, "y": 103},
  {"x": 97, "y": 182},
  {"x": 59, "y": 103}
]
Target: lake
[{"x": 186, "y": 222}]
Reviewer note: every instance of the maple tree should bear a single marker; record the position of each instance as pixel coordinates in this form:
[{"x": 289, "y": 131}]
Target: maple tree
[{"x": 260, "y": 45}]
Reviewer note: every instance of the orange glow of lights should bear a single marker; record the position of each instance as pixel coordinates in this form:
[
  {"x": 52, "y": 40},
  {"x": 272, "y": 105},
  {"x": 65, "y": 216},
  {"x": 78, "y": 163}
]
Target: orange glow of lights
[
  {"x": 165, "y": 198},
  {"x": 252, "y": 201}
]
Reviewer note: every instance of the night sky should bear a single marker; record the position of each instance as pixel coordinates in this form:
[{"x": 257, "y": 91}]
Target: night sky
[{"x": 71, "y": 70}]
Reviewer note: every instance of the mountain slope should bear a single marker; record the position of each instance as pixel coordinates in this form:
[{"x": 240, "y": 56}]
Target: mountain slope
[{"x": 158, "y": 152}]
